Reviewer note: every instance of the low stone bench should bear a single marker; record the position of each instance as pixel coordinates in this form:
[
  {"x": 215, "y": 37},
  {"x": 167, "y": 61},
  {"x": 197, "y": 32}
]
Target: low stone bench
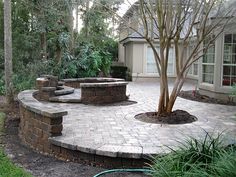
[
  {"x": 102, "y": 93},
  {"x": 75, "y": 82},
  {"x": 38, "y": 121}
]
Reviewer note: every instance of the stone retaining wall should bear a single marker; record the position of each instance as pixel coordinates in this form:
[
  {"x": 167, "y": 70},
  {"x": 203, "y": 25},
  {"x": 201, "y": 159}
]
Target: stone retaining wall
[
  {"x": 38, "y": 122},
  {"x": 98, "y": 160}
]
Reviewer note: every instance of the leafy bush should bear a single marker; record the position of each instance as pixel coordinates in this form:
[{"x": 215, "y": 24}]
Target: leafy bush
[
  {"x": 25, "y": 76},
  {"x": 119, "y": 71},
  {"x": 111, "y": 46},
  {"x": 233, "y": 93},
  {"x": 1, "y": 58},
  {"x": 91, "y": 61},
  {"x": 2, "y": 86},
  {"x": 205, "y": 157}
]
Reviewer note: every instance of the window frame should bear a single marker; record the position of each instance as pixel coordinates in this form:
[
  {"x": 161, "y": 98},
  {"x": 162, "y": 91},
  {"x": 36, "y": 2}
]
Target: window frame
[
  {"x": 227, "y": 64},
  {"x": 209, "y": 64},
  {"x": 156, "y": 73}
]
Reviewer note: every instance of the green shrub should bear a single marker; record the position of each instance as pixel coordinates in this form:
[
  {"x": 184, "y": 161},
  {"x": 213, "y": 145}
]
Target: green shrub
[
  {"x": 2, "y": 86},
  {"x": 111, "y": 46},
  {"x": 1, "y": 58},
  {"x": 25, "y": 75},
  {"x": 119, "y": 71},
  {"x": 233, "y": 93},
  {"x": 90, "y": 61}
]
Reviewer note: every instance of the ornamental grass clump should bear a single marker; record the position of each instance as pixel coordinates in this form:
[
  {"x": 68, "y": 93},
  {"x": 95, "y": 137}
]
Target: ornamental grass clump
[{"x": 197, "y": 157}]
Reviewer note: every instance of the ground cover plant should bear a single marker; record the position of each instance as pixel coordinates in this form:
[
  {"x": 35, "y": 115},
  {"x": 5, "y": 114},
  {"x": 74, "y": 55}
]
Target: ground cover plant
[
  {"x": 205, "y": 157},
  {"x": 7, "y": 168}
]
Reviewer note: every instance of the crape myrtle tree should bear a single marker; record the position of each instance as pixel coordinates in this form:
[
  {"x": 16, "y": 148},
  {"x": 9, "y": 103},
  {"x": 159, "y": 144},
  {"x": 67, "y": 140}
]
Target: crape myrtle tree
[{"x": 179, "y": 24}]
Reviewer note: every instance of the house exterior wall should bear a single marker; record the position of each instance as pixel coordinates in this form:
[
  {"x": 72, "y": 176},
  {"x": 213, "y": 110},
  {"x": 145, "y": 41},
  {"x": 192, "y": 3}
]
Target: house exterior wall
[
  {"x": 217, "y": 90},
  {"x": 128, "y": 51},
  {"x": 136, "y": 60},
  {"x": 121, "y": 53},
  {"x": 138, "y": 55}
]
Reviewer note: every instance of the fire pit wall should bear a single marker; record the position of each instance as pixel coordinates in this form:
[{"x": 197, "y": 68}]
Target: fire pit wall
[
  {"x": 99, "y": 90},
  {"x": 46, "y": 85}
]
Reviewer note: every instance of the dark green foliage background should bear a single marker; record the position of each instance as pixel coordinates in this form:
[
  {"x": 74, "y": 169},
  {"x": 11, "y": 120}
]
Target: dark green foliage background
[{"x": 91, "y": 56}]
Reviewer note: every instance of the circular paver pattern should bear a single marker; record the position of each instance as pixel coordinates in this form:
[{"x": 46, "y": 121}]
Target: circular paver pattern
[{"x": 112, "y": 130}]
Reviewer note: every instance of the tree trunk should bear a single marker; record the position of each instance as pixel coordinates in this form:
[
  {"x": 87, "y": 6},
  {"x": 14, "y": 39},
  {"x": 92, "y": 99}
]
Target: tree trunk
[
  {"x": 175, "y": 92},
  {"x": 86, "y": 19},
  {"x": 76, "y": 17},
  {"x": 164, "y": 90},
  {"x": 70, "y": 25},
  {"x": 8, "y": 51},
  {"x": 58, "y": 54},
  {"x": 72, "y": 40},
  {"x": 43, "y": 43}
]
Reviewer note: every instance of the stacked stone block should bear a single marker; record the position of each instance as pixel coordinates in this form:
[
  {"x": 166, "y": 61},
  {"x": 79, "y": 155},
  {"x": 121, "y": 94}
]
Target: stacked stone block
[
  {"x": 47, "y": 85},
  {"x": 103, "y": 93},
  {"x": 38, "y": 122}
]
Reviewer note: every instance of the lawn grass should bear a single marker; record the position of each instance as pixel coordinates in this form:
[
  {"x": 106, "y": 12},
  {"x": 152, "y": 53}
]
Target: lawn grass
[{"x": 7, "y": 168}]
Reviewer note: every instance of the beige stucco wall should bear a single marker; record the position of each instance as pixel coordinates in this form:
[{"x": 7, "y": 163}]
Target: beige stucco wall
[
  {"x": 121, "y": 53},
  {"x": 135, "y": 58},
  {"x": 128, "y": 53},
  {"x": 138, "y": 57}
]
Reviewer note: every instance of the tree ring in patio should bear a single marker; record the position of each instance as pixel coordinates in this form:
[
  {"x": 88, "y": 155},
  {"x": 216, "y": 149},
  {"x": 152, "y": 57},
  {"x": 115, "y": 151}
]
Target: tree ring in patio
[{"x": 175, "y": 117}]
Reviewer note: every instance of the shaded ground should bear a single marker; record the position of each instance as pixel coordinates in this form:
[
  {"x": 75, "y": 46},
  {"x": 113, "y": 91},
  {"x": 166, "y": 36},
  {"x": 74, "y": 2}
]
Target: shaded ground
[
  {"x": 176, "y": 117},
  {"x": 195, "y": 96},
  {"x": 41, "y": 165}
]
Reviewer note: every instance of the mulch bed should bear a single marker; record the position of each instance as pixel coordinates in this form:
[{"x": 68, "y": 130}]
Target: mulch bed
[
  {"x": 195, "y": 96},
  {"x": 176, "y": 117}
]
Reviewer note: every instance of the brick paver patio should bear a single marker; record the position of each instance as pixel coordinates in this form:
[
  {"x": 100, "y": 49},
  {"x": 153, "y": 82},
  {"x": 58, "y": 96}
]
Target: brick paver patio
[{"x": 111, "y": 130}]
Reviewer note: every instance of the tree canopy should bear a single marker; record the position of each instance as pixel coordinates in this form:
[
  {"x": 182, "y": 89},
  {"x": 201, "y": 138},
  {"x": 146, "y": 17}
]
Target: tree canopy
[
  {"x": 179, "y": 24},
  {"x": 46, "y": 42}
]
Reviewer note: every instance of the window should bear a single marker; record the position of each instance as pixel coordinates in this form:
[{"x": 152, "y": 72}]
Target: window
[
  {"x": 151, "y": 63},
  {"x": 208, "y": 64},
  {"x": 193, "y": 70},
  {"x": 170, "y": 67},
  {"x": 229, "y": 60}
]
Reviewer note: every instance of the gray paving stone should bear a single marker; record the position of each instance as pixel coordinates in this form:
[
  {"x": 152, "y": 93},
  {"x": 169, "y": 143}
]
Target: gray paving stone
[
  {"x": 113, "y": 131},
  {"x": 109, "y": 150},
  {"x": 130, "y": 152}
]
